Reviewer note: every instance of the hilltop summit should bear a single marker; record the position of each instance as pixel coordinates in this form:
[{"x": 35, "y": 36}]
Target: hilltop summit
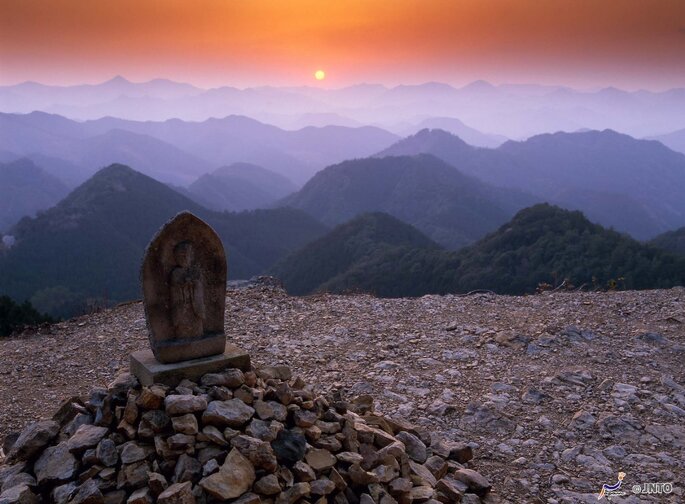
[{"x": 567, "y": 388}]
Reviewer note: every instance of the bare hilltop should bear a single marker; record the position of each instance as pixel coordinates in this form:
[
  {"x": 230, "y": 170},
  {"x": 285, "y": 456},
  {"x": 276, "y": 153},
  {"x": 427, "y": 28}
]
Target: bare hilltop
[{"x": 557, "y": 393}]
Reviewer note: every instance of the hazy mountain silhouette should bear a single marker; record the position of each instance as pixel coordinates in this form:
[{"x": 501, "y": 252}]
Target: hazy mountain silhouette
[
  {"x": 451, "y": 208},
  {"x": 513, "y": 110},
  {"x": 541, "y": 244},
  {"x": 675, "y": 140},
  {"x": 458, "y": 128},
  {"x": 320, "y": 262},
  {"x": 240, "y": 186},
  {"x": 672, "y": 241},
  {"x": 178, "y": 151},
  {"x": 91, "y": 243},
  {"x": 594, "y": 171},
  {"x": 24, "y": 189},
  {"x": 83, "y": 152}
]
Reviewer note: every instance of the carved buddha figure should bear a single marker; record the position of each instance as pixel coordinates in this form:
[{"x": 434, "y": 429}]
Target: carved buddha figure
[{"x": 187, "y": 294}]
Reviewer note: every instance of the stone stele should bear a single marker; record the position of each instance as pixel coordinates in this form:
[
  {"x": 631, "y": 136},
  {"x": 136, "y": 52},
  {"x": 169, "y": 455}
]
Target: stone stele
[{"x": 184, "y": 290}]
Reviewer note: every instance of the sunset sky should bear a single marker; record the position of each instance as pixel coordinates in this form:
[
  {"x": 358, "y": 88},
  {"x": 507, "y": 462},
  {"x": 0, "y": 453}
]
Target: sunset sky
[{"x": 583, "y": 43}]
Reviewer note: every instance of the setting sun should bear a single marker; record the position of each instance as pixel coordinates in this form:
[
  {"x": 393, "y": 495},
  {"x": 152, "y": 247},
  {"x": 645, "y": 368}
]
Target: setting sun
[{"x": 319, "y": 75}]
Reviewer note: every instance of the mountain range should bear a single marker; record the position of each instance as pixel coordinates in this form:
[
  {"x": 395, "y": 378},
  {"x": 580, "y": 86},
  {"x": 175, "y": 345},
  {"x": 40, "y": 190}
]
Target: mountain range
[
  {"x": 25, "y": 189},
  {"x": 451, "y": 208},
  {"x": 632, "y": 185},
  {"x": 178, "y": 152},
  {"x": 542, "y": 245},
  {"x": 240, "y": 186},
  {"x": 513, "y": 110},
  {"x": 90, "y": 244}
]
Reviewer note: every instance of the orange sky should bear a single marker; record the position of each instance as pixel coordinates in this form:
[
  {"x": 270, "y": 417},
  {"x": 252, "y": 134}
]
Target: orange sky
[{"x": 627, "y": 43}]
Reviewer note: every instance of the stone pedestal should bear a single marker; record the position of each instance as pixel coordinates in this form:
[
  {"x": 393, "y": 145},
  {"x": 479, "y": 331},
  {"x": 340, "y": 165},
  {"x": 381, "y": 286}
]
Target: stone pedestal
[{"x": 148, "y": 370}]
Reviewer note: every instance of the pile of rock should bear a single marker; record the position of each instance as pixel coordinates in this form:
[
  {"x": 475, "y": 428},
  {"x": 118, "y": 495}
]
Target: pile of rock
[{"x": 259, "y": 436}]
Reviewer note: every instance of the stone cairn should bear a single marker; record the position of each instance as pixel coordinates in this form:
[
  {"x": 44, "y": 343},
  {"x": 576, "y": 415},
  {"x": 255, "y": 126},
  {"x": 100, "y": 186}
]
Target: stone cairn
[{"x": 247, "y": 436}]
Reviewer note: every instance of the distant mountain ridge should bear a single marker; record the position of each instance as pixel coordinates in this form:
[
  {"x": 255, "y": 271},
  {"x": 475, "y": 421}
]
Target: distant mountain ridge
[
  {"x": 583, "y": 170},
  {"x": 178, "y": 151},
  {"x": 90, "y": 244},
  {"x": 25, "y": 189},
  {"x": 513, "y": 110},
  {"x": 674, "y": 140},
  {"x": 240, "y": 186},
  {"x": 451, "y": 208}
]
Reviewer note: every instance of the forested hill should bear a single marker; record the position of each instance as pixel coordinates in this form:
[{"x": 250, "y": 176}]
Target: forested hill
[
  {"x": 451, "y": 208},
  {"x": 90, "y": 245},
  {"x": 346, "y": 247},
  {"x": 542, "y": 244}
]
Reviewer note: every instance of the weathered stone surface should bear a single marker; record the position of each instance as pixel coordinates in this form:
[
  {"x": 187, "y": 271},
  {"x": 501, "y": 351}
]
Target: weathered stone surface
[
  {"x": 185, "y": 424},
  {"x": 133, "y": 475},
  {"x": 106, "y": 453},
  {"x": 88, "y": 493},
  {"x": 474, "y": 480},
  {"x": 232, "y": 413},
  {"x": 414, "y": 446},
  {"x": 56, "y": 464},
  {"x": 259, "y": 453},
  {"x": 231, "y": 378},
  {"x": 267, "y": 485},
  {"x": 132, "y": 452},
  {"x": 322, "y": 487},
  {"x": 289, "y": 447},
  {"x": 248, "y": 498},
  {"x": 19, "y": 478},
  {"x": 61, "y": 494},
  {"x": 183, "y": 404},
  {"x": 294, "y": 494},
  {"x": 187, "y": 469},
  {"x": 437, "y": 466},
  {"x": 157, "y": 483},
  {"x": 450, "y": 488},
  {"x": 235, "y": 477},
  {"x": 141, "y": 496},
  {"x": 303, "y": 472},
  {"x": 319, "y": 459},
  {"x": 151, "y": 398},
  {"x": 149, "y": 371},
  {"x": 19, "y": 494},
  {"x": 184, "y": 290},
  {"x": 178, "y": 493},
  {"x": 33, "y": 439},
  {"x": 87, "y": 436}
]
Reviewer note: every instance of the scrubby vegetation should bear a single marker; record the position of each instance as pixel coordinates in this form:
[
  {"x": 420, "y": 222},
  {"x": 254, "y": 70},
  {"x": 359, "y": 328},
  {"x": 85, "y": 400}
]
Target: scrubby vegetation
[{"x": 14, "y": 316}]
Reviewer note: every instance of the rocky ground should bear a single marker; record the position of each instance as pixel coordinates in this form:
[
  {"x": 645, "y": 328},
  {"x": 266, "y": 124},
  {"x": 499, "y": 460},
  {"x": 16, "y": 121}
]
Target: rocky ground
[{"x": 557, "y": 393}]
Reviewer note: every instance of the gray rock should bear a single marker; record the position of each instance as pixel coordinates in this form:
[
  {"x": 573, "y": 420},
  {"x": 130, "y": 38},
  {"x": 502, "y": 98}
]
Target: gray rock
[
  {"x": 474, "y": 480},
  {"x": 106, "y": 453},
  {"x": 414, "y": 446},
  {"x": 233, "y": 413},
  {"x": 183, "y": 404},
  {"x": 33, "y": 439},
  {"x": 20, "y": 494},
  {"x": 88, "y": 493},
  {"x": 267, "y": 485},
  {"x": 232, "y": 378},
  {"x": 56, "y": 465},
  {"x": 87, "y": 436}
]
